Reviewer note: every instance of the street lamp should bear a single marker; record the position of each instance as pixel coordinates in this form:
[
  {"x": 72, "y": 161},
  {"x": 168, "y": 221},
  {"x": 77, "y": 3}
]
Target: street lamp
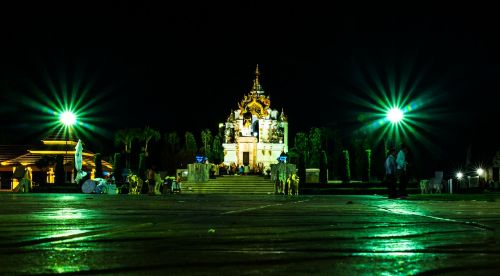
[
  {"x": 395, "y": 115},
  {"x": 68, "y": 119},
  {"x": 480, "y": 172}
]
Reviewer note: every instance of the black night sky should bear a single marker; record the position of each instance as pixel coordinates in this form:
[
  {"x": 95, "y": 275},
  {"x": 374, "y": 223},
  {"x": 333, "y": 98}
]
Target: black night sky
[{"x": 185, "y": 68}]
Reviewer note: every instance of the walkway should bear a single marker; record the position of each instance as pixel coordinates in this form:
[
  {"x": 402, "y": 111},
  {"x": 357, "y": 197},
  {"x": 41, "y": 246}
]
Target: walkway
[{"x": 248, "y": 234}]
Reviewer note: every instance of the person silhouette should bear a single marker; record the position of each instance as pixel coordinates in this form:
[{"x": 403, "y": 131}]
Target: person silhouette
[
  {"x": 390, "y": 173},
  {"x": 402, "y": 170},
  {"x": 151, "y": 180}
]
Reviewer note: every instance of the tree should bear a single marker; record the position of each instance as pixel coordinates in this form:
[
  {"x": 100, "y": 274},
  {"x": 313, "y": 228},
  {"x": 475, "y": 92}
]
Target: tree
[
  {"x": 126, "y": 137},
  {"x": 171, "y": 155},
  {"x": 361, "y": 146},
  {"x": 301, "y": 169},
  {"x": 301, "y": 146},
  {"x": 315, "y": 139},
  {"x": 118, "y": 167},
  {"x": 323, "y": 170},
  {"x": 141, "y": 170},
  {"x": 328, "y": 137},
  {"x": 206, "y": 139},
  {"x": 315, "y": 143},
  {"x": 217, "y": 150},
  {"x": 347, "y": 163},
  {"x": 147, "y": 135},
  {"x": 190, "y": 143},
  {"x": 173, "y": 142},
  {"x": 188, "y": 153}
]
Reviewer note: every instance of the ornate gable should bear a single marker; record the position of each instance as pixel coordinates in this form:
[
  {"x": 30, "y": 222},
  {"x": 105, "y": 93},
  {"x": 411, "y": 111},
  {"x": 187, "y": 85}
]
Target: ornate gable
[{"x": 255, "y": 102}]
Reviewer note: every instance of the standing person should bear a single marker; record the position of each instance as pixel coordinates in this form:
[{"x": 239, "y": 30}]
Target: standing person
[
  {"x": 390, "y": 173},
  {"x": 178, "y": 181},
  {"x": 402, "y": 170},
  {"x": 151, "y": 180}
]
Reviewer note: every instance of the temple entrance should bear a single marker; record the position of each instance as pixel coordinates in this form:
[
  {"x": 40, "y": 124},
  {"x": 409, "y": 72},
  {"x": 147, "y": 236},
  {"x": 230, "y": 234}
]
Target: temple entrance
[{"x": 246, "y": 158}]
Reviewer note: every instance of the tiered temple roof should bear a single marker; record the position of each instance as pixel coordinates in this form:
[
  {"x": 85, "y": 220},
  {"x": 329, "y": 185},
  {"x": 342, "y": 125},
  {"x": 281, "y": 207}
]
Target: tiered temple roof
[{"x": 11, "y": 155}]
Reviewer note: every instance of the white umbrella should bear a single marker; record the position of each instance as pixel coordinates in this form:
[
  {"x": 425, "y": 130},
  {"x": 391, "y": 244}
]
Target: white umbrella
[{"x": 78, "y": 162}]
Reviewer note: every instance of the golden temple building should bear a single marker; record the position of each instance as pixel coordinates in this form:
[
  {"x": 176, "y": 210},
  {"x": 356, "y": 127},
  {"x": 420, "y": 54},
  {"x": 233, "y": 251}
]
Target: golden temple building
[
  {"x": 29, "y": 156},
  {"x": 255, "y": 134}
]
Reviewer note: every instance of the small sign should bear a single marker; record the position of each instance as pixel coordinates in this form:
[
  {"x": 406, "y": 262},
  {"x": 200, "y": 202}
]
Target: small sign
[{"x": 201, "y": 159}]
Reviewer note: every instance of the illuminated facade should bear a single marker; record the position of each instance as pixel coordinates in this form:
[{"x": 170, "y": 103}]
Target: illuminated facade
[
  {"x": 27, "y": 156},
  {"x": 255, "y": 135}
]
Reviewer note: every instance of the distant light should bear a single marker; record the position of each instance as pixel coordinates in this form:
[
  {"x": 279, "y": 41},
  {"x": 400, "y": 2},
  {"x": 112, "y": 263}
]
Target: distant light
[
  {"x": 480, "y": 171},
  {"x": 394, "y": 115},
  {"x": 67, "y": 118},
  {"x": 255, "y": 134},
  {"x": 460, "y": 175}
]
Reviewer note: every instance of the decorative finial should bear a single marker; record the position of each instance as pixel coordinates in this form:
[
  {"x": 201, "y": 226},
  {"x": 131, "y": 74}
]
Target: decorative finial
[
  {"x": 256, "y": 88},
  {"x": 283, "y": 116}
]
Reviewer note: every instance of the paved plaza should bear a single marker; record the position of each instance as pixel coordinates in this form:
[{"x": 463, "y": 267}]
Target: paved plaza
[{"x": 186, "y": 234}]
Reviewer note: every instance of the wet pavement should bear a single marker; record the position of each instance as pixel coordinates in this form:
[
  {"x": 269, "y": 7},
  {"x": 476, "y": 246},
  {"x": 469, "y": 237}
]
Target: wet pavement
[{"x": 252, "y": 234}]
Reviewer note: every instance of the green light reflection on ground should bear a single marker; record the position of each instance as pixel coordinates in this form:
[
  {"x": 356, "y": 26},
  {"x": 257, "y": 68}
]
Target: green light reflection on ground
[
  {"x": 68, "y": 260},
  {"x": 68, "y": 268},
  {"x": 68, "y": 233},
  {"x": 67, "y": 197},
  {"x": 65, "y": 223},
  {"x": 397, "y": 263},
  {"x": 67, "y": 213},
  {"x": 398, "y": 256}
]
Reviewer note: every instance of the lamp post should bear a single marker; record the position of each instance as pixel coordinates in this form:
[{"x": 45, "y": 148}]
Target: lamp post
[
  {"x": 480, "y": 172},
  {"x": 395, "y": 116},
  {"x": 68, "y": 119}
]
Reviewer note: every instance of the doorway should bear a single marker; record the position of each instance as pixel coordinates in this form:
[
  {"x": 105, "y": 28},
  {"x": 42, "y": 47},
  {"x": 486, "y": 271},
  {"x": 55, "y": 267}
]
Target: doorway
[{"x": 246, "y": 158}]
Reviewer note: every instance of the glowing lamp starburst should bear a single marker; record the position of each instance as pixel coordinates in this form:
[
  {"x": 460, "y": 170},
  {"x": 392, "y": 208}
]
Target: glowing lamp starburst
[
  {"x": 479, "y": 171},
  {"x": 68, "y": 118},
  {"x": 395, "y": 115}
]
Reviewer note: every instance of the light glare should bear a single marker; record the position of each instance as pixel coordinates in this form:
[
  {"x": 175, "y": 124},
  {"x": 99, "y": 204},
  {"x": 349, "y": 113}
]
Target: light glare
[
  {"x": 480, "y": 171},
  {"x": 67, "y": 118},
  {"x": 395, "y": 115}
]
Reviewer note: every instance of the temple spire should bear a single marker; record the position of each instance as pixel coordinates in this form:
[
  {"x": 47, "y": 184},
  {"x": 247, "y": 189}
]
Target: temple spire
[
  {"x": 283, "y": 117},
  {"x": 257, "y": 88}
]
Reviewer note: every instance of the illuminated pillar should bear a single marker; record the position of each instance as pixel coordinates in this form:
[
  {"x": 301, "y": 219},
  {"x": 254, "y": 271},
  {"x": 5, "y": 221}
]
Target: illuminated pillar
[
  {"x": 285, "y": 134},
  {"x": 50, "y": 176},
  {"x": 14, "y": 182}
]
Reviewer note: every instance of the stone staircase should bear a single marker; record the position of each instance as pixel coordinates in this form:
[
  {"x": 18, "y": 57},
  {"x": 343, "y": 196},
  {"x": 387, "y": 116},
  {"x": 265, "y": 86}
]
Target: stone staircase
[{"x": 231, "y": 184}]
